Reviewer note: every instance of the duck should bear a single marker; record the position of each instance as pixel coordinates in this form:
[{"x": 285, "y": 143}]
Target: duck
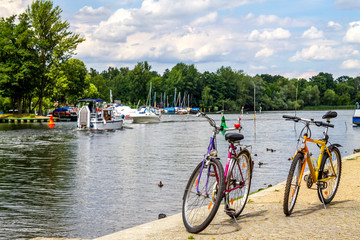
[
  {"x": 162, "y": 215},
  {"x": 160, "y": 184}
]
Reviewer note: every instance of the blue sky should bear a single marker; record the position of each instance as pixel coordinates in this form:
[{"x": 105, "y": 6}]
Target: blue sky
[{"x": 290, "y": 38}]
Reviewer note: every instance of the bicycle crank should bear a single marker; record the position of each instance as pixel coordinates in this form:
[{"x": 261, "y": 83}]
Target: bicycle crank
[{"x": 309, "y": 181}]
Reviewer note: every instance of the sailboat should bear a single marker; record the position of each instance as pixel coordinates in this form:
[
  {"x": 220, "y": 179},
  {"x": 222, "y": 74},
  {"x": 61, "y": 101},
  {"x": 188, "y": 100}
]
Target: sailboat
[{"x": 147, "y": 113}]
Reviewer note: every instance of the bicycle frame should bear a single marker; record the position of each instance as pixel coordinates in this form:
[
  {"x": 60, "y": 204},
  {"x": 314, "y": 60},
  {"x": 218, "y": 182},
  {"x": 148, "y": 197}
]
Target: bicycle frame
[
  {"x": 232, "y": 151},
  {"x": 314, "y": 170},
  {"x": 212, "y": 146}
]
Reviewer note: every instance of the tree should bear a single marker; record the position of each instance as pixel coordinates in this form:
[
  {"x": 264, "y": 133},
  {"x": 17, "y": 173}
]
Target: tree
[
  {"x": 330, "y": 97},
  {"x": 311, "y": 96},
  {"x": 206, "y": 98},
  {"x": 139, "y": 78},
  {"x": 75, "y": 72},
  {"x": 18, "y": 61},
  {"x": 53, "y": 42}
]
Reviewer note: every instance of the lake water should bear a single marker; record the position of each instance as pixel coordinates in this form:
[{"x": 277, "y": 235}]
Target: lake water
[{"x": 74, "y": 184}]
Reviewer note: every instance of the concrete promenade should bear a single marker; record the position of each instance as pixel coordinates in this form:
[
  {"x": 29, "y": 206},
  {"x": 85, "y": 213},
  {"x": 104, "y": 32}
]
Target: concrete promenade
[{"x": 263, "y": 216}]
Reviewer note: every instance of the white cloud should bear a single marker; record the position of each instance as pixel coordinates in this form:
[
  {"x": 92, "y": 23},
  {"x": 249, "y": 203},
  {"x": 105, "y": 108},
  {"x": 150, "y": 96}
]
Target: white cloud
[
  {"x": 313, "y": 33},
  {"x": 11, "y": 7},
  {"x": 175, "y": 9},
  {"x": 347, "y": 4},
  {"x": 209, "y": 18},
  {"x": 334, "y": 26},
  {"x": 350, "y": 64},
  {"x": 314, "y": 52},
  {"x": 276, "y": 34},
  {"x": 273, "y": 20},
  {"x": 324, "y": 52},
  {"x": 265, "y": 52},
  {"x": 255, "y": 67},
  {"x": 353, "y": 33},
  {"x": 88, "y": 14},
  {"x": 307, "y": 75}
]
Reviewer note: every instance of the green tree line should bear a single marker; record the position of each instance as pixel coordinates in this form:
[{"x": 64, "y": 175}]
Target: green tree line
[
  {"x": 37, "y": 69},
  {"x": 226, "y": 88}
]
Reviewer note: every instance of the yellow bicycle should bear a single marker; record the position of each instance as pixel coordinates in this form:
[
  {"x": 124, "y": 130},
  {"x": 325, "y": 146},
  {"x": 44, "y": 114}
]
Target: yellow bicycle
[{"x": 325, "y": 171}]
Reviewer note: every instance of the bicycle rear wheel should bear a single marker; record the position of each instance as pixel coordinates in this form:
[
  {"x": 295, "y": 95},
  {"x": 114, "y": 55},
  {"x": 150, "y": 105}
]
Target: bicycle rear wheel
[
  {"x": 203, "y": 196},
  {"x": 238, "y": 182},
  {"x": 328, "y": 191},
  {"x": 293, "y": 184}
]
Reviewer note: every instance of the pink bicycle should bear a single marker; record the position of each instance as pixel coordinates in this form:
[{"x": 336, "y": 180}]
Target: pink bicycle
[{"x": 209, "y": 183}]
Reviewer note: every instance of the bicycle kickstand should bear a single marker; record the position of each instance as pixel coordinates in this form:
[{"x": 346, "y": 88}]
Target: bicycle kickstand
[{"x": 322, "y": 199}]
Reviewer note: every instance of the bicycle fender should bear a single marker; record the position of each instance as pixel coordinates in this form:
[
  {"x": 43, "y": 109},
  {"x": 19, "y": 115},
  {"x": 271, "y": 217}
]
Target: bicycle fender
[
  {"x": 334, "y": 145},
  {"x": 249, "y": 155},
  {"x": 331, "y": 147}
]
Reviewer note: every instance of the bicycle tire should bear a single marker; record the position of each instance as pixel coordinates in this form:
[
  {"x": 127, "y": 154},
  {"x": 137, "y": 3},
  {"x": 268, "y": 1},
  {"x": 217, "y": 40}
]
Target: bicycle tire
[
  {"x": 198, "y": 210},
  {"x": 293, "y": 184},
  {"x": 240, "y": 174},
  {"x": 326, "y": 170}
]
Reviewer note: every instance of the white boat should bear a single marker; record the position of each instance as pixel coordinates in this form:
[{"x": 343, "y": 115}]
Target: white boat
[
  {"x": 356, "y": 117},
  {"x": 124, "y": 111},
  {"x": 94, "y": 115},
  {"x": 146, "y": 114}
]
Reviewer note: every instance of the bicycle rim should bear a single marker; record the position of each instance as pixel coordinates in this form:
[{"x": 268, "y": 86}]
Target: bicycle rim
[
  {"x": 238, "y": 185},
  {"x": 199, "y": 208},
  {"x": 293, "y": 184}
]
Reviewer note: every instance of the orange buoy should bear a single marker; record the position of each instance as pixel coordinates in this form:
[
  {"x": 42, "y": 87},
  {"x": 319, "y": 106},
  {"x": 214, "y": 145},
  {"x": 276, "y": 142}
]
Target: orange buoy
[{"x": 51, "y": 122}]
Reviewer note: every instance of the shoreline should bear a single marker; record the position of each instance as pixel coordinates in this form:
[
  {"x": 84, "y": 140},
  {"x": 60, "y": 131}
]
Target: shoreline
[{"x": 263, "y": 216}]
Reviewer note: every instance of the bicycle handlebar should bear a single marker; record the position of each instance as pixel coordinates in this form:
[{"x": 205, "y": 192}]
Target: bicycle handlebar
[
  {"x": 213, "y": 123},
  {"x": 310, "y": 121}
]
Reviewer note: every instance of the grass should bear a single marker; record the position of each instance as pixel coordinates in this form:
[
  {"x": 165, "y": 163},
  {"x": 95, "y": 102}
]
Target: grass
[
  {"x": 19, "y": 116},
  {"x": 326, "y": 107}
]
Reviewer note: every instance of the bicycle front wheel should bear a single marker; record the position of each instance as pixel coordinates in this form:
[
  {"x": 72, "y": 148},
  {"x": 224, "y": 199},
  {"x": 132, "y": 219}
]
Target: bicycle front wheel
[
  {"x": 293, "y": 183},
  {"x": 330, "y": 171},
  {"x": 238, "y": 184},
  {"x": 203, "y": 195}
]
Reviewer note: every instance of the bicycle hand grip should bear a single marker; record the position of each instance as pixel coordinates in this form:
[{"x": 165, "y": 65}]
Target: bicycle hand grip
[
  {"x": 319, "y": 124},
  {"x": 287, "y": 116},
  {"x": 296, "y": 119},
  {"x": 193, "y": 111}
]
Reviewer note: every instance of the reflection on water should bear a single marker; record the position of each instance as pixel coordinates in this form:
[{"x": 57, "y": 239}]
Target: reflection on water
[{"x": 66, "y": 183}]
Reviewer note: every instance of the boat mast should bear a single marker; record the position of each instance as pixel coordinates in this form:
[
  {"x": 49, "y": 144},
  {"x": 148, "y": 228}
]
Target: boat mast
[
  {"x": 148, "y": 101},
  {"x": 254, "y": 101},
  {"x": 174, "y": 103}
]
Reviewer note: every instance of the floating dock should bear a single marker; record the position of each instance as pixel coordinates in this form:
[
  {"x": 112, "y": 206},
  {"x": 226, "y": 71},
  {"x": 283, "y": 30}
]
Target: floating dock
[{"x": 26, "y": 120}]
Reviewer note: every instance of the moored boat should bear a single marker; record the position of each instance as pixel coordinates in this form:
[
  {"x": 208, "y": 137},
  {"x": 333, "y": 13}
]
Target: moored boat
[
  {"x": 356, "y": 117},
  {"x": 94, "y": 115},
  {"x": 124, "y": 111},
  {"x": 146, "y": 114},
  {"x": 64, "y": 113}
]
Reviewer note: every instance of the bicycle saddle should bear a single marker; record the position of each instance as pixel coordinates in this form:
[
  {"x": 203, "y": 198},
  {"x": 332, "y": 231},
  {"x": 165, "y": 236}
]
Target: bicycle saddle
[
  {"x": 234, "y": 137},
  {"x": 329, "y": 114}
]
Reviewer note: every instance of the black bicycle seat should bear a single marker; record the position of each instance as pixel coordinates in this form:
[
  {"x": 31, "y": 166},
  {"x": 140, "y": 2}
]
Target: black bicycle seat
[
  {"x": 233, "y": 137},
  {"x": 329, "y": 114}
]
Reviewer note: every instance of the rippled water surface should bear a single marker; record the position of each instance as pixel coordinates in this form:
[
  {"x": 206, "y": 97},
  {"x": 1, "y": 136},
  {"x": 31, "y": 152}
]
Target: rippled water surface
[{"x": 66, "y": 183}]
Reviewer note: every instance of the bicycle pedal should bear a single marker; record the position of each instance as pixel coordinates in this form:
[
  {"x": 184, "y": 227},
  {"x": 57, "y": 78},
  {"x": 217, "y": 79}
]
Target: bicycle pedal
[{"x": 322, "y": 185}]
